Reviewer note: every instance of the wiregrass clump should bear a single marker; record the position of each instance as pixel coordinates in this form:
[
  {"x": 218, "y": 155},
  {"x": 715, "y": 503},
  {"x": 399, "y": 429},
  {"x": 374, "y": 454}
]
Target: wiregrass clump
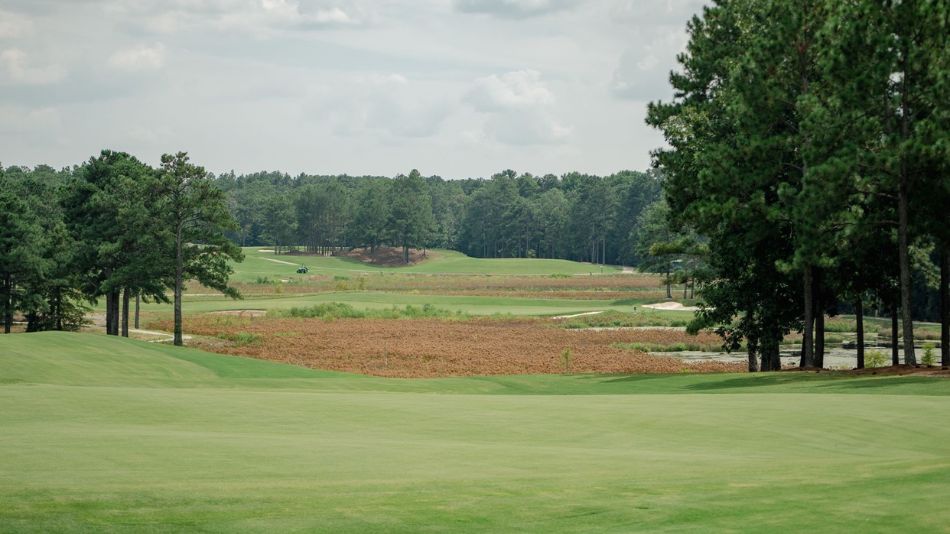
[
  {"x": 618, "y": 319},
  {"x": 241, "y": 339},
  {"x": 670, "y": 347},
  {"x": 338, "y": 310}
]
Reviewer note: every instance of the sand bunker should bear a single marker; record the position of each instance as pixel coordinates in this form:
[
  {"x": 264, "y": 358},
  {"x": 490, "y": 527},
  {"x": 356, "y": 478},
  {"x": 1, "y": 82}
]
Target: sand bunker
[{"x": 670, "y": 306}]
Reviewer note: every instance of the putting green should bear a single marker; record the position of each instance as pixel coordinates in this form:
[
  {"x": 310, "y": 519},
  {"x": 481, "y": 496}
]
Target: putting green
[{"x": 104, "y": 434}]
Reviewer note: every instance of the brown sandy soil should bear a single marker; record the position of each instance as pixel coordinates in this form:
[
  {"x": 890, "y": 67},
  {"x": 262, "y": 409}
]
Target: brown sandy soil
[
  {"x": 388, "y": 256},
  {"x": 431, "y": 347}
]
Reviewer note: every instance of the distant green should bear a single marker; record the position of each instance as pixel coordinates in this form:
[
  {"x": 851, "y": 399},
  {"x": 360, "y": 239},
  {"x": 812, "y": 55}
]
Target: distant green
[
  {"x": 259, "y": 264},
  {"x": 103, "y": 434}
]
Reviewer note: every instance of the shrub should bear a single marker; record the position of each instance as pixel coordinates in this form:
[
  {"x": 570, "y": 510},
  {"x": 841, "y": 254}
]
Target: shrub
[
  {"x": 928, "y": 357},
  {"x": 875, "y": 358},
  {"x": 241, "y": 339},
  {"x": 566, "y": 358},
  {"x": 339, "y": 310}
]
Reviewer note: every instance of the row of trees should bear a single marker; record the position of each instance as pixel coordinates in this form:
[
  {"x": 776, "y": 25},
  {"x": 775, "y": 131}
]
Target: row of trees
[
  {"x": 809, "y": 143},
  {"x": 575, "y": 216},
  {"x": 112, "y": 228}
]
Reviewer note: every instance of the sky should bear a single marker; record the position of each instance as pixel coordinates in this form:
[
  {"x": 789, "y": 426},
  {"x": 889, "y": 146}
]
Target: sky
[{"x": 457, "y": 88}]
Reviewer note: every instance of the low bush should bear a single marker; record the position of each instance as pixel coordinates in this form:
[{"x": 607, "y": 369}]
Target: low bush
[
  {"x": 339, "y": 310},
  {"x": 241, "y": 339},
  {"x": 875, "y": 358}
]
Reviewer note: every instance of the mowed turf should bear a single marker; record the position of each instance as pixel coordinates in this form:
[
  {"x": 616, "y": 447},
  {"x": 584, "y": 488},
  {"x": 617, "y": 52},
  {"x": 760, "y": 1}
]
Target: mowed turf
[
  {"x": 471, "y": 304},
  {"x": 260, "y": 264},
  {"x": 104, "y": 434}
]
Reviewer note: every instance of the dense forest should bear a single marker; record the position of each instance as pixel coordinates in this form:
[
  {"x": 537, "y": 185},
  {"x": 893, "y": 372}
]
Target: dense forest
[
  {"x": 111, "y": 229},
  {"x": 575, "y": 216},
  {"x": 809, "y": 143}
]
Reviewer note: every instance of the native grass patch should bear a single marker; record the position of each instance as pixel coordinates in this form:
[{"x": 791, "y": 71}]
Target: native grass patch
[
  {"x": 340, "y": 310},
  {"x": 432, "y": 346},
  {"x": 619, "y": 319}
]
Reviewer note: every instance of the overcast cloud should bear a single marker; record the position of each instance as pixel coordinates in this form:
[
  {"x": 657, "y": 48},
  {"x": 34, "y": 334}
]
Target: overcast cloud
[{"x": 452, "y": 87}]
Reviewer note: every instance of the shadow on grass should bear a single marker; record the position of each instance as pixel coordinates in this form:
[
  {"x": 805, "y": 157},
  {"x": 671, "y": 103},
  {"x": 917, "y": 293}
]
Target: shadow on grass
[
  {"x": 864, "y": 382},
  {"x": 755, "y": 381}
]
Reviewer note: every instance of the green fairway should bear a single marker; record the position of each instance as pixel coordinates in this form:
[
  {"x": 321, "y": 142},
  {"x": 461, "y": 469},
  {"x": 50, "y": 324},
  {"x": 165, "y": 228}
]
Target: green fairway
[
  {"x": 260, "y": 264},
  {"x": 111, "y": 434},
  {"x": 475, "y": 305}
]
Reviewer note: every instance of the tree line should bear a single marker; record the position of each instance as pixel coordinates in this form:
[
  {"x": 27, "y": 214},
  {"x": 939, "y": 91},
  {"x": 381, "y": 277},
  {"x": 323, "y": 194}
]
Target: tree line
[
  {"x": 113, "y": 229},
  {"x": 808, "y": 143},
  {"x": 509, "y": 215}
]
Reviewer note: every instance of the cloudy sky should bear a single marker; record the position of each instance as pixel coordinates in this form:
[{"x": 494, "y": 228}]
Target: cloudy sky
[{"x": 452, "y": 87}]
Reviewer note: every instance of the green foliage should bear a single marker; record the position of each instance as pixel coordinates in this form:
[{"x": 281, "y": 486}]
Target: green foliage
[
  {"x": 670, "y": 347},
  {"x": 875, "y": 358},
  {"x": 566, "y": 361},
  {"x": 928, "y": 358},
  {"x": 618, "y": 319},
  {"x": 241, "y": 339}
]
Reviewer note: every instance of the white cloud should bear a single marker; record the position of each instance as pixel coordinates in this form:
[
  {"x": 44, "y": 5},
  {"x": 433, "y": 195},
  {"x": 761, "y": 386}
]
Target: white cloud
[
  {"x": 17, "y": 69},
  {"x": 257, "y": 17},
  {"x": 517, "y": 89},
  {"x": 643, "y": 73},
  {"x": 139, "y": 58},
  {"x": 17, "y": 120},
  {"x": 518, "y": 107},
  {"x": 514, "y": 8},
  {"x": 14, "y": 25},
  {"x": 391, "y": 106}
]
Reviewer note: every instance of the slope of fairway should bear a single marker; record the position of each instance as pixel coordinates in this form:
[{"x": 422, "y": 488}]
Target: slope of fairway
[
  {"x": 109, "y": 434},
  {"x": 475, "y": 305},
  {"x": 266, "y": 264}
]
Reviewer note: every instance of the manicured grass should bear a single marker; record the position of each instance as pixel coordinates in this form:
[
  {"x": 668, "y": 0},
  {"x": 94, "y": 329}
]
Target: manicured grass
[
  {"x": 475, "y": 305},
  {"x": 104, "y": 434},
  {"x": 260, "y": 264}
]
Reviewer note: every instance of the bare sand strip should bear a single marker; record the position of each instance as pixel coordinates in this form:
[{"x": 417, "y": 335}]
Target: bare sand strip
[
  {"x": 280, "y": 261},
  {"x": 577, "y": 315},
  {"x": 670, "y": 306}
]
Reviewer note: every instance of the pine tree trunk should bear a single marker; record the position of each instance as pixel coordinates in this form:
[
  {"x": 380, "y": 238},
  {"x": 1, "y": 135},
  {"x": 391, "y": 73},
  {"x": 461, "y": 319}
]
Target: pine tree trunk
[
  {"x": 179, "y": 282},
  {"x": 771, "y": 358},
  {"x": 669, "y": 282},
  {"x": 945, "y": 306},
  {"x": 750, "y": 351},
  {"x": 115, "y": 312},
  {"x": 125, "y": 312},
  {"x": 7, "y": 303},
  {"x": 905, "y": 275},
  {"x": 895, "y": 358},
  {"x": 808, "y": 356},
  {"x": 108, "y": 314},
  {"x": 819, "y": 323},
  {"x": 859, "y": 319},
  {"x": 137, "y": 299}
]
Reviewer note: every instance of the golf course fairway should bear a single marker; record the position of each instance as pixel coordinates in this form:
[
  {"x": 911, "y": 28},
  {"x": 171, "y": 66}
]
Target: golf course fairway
[{"x": 105, "y": 434}]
